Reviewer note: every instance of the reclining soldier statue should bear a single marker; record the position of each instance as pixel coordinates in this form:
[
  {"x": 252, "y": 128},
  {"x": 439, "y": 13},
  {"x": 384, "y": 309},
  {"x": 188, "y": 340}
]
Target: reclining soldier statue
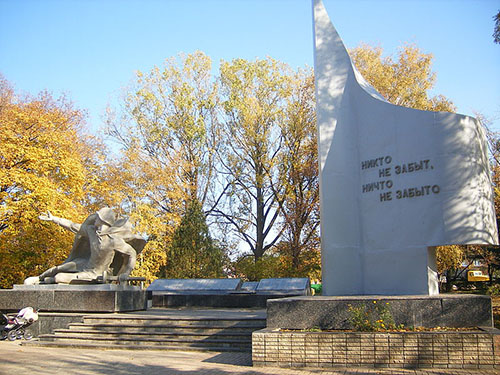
[{"x": 103, "y": 244}]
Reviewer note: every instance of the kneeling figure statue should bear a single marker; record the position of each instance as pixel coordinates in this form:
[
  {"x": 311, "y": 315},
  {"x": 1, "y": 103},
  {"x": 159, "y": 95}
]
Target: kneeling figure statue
[{"x": 103, "y": 244}]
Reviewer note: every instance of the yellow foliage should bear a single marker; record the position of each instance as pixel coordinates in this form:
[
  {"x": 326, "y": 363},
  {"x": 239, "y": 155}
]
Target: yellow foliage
[
  {"x": 168, "y": 133},
  {"x": 44, "y": 162},
  {"x": 299, "y": 174},
  {"x": 254, "y": 99},
  {"x": 404, "y": 82},
  {"x": 158, "y": 226},
  {"x": 449, "y": 257}
]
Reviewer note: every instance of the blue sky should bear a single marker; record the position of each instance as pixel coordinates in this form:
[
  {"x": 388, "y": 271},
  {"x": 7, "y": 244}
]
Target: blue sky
[{"x": 90, "y": 49}]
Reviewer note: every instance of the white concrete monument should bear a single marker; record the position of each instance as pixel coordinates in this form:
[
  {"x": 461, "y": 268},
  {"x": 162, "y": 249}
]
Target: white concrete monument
[{"x": 395, "y": 182}]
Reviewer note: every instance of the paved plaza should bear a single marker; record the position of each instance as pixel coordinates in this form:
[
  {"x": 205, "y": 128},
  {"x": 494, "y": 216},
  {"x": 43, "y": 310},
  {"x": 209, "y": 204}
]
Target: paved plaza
[{"x": 18, "y": 359}]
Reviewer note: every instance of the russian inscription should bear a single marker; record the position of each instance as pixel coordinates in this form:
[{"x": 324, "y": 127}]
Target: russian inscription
[
  {"x": 389, "y": 174},
  {"x": 377, "y": 162},
  {"x": 413, "y": 167}
]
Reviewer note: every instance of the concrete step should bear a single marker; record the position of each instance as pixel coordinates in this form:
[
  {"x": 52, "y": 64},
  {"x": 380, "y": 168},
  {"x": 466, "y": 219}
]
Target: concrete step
[
  {"x": 93, "y": 345},
  {"x": 175, "y": 334},
  {"x": 151, "y": 341},
  {"x": 113, "y": 326},
  {"x": 173, "y": 321}
]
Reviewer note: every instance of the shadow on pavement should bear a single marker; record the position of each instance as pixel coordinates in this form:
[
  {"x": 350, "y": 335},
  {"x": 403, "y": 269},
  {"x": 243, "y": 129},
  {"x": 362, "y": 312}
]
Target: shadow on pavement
[{"x": 237, "y": 359}]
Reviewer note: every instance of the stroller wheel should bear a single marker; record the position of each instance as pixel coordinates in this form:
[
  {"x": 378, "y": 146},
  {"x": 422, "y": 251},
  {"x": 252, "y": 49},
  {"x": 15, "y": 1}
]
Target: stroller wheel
[
  {"x": 27, "y": 335},
  {"x": 3, "y": 335},
  {"x": 12, "y": 335}
]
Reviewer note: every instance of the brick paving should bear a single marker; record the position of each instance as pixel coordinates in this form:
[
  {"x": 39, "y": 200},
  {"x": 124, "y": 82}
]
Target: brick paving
[{"x": 17, "y": 359}]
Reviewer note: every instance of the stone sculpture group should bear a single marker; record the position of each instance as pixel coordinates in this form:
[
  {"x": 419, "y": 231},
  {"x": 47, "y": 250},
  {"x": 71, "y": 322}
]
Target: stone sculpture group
[{"x": 104, "y": 245}]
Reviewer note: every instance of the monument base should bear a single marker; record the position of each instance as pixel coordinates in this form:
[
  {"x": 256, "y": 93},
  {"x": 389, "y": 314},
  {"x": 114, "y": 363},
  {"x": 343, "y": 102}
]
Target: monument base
[
  {"x": 73, "y": 298},
  {"x": 443, "y": 310}
]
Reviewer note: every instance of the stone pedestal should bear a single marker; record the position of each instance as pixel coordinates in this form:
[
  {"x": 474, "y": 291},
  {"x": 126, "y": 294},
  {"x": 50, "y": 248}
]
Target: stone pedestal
[{"x": 74, "y": 298}]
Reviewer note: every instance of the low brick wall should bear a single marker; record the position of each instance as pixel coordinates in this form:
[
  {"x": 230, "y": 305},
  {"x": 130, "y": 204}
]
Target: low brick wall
[{"x": 468, "y": 350}]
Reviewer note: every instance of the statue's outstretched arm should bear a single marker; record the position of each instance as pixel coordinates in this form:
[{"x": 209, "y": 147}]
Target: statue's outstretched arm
[{"x": 65, "y": 223}]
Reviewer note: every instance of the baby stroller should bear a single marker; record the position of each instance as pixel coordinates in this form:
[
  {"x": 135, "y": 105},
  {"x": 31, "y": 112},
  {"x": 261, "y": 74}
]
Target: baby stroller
[{"x": 16, "y": 328}]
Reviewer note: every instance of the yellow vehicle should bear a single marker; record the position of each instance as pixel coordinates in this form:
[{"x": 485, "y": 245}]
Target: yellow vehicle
[{"x": 477, "y": 276}]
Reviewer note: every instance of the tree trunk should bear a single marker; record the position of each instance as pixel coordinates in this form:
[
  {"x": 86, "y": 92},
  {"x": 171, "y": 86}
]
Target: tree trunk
[{"x": 260, "y": 222}]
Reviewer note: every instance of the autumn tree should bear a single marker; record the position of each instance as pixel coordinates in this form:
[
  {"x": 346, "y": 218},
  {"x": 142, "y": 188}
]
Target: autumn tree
[
  {"x": 298, "y": 170},
  {"x": 253, "y": 104},
  {"x": 193, "y": 253},
  {"x": 170, "y": 116},
  {"x": 168, "y": 133},
  {"x": 405, "y": 81},
  {"x": 449, "y": 259},
  {"x": 44, "y": 165}
]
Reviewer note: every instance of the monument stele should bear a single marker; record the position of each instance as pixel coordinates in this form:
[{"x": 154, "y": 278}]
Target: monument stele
[{"x": 394, "y": 182}]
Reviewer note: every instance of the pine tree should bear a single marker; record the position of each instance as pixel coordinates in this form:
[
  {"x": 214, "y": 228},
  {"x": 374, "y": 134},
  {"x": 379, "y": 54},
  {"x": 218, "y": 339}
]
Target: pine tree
[{"x": 193, "y": 253}]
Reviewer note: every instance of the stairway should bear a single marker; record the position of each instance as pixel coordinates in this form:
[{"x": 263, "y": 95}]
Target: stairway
[{"x": 164, "y": 329}]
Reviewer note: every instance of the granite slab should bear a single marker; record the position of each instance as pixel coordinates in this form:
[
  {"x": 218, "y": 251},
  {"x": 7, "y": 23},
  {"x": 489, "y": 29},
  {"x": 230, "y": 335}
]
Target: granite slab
[
  {"x": 411, "y": 311},
  {"x": 287, "y": 286},
  {"x": 194, "y": 286}
]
